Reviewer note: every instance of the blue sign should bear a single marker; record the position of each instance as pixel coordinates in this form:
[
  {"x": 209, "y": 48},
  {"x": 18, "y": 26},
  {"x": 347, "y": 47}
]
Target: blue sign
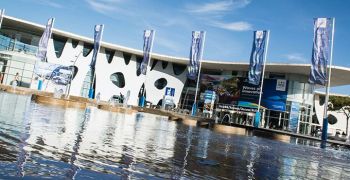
[
  {"x": 274, "y": 94},
  {"x": 294, "y": 116},
  {"x": 170, "y": 91}
]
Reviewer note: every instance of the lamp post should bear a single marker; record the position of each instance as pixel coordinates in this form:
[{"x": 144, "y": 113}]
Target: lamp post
[{"x": 72, "y": 72}]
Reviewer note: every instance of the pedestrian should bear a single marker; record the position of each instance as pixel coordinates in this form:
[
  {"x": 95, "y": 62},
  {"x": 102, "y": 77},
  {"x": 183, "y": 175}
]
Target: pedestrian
[{"x": 15, "y": 81}]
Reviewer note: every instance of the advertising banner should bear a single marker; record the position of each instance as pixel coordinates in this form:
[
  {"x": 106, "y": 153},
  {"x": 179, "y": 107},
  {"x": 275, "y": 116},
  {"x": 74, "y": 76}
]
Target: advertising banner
[
  {"x": 44, "y": 40},
  {"x": 195, "y": 53},
  {"x": 294, "y": 116},
  {"x": 320, "y": 50},
  {"x": 52, "y": 77},
  {"x": 148, "y": 38},
  {"x": 257, "y": 57},
  {"x": 209, "y": 99},
  {"x": 249, "y": 94},
  {"x": 225, "y": 86},
  {"x": 238, "y": 91},
  {"x": 275, "y": 94},
  {"x": 98, "y": 31}
]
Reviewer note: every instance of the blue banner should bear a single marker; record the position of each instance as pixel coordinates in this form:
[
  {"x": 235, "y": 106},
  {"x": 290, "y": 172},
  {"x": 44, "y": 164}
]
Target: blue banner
[
  {"x": 2, "y": 13},
  {"x": 274, "y": 96},
  {"x": 294, "y": 116},
  {"x": 257, "y": 57},
  {"x": 148, "y": 37},
  {"x": 44, "y": 40},
  {"x": 320, "y": 50},
  {"x": 97, "y": 44},
  {"x": 196, "y": 51}
]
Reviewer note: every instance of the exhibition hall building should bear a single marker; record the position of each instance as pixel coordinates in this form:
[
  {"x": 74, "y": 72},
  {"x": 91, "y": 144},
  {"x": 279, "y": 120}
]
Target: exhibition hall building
[{"x": 117, "y": 73}]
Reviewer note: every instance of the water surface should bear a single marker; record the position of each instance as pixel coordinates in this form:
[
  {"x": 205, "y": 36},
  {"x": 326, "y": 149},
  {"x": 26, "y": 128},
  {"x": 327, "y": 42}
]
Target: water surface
[{"x": 39, "y": 141}]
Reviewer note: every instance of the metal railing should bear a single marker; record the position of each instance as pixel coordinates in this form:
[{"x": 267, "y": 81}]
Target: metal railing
[{"x": 10, "y": 44}]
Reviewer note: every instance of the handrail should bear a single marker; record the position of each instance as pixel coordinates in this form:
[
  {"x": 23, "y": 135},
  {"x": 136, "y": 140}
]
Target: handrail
[{"x": 10, "y": 44}]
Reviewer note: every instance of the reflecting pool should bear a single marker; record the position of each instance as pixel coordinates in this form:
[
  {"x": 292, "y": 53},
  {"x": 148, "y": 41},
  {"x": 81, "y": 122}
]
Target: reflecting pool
[{"x": 39, "y": 141}]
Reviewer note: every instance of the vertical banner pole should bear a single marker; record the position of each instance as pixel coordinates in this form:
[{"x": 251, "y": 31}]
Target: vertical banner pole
[
  {"x": 143, "y": 97},
  {"x": 325, "y": 114},
  {"x": 194, "y": 106},
  {"x": 2, "y": 13},
  {"x": 94, "y": 58},
  {"x": 258, "y": 114}
]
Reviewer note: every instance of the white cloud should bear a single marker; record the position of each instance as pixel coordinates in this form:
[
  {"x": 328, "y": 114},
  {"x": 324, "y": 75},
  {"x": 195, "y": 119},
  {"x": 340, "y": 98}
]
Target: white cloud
[
  {"x": 100, "y": 5},
  {"x": 233, "y": 26},
  {"x": 104, "y": 6},
  {"x": 218, "y": 7},
  {"x": 50, "y": 3},
  {"x": 168, "y": 44},
  {"x": 295, "y": 57}
]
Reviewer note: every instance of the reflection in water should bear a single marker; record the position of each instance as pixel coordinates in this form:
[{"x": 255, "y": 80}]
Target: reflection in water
[
  {"x": 73, "y": 168},
  {"x": 39, "y": 141}
]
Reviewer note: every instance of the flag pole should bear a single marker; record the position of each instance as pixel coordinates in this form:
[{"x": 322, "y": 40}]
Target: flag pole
[
  {"x": 91, "y": 90},
  {"x": 258, "y": 114},
  {"x": 194, "y": 106},
  {"x": 325, "y": 114},
  {"x": 2, "y": 11},
  {"x": 143, "y": 98}
]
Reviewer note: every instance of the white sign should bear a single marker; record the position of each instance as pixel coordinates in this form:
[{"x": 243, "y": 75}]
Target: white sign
[{"x": 281, "y": 85}]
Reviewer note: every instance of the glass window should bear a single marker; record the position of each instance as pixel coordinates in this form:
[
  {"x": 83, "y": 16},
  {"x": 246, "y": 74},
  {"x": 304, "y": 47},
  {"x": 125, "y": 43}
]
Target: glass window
[
  {"x": 164, "y": 64},
  {"x": 87, "y": 49},
  {"x": 277, "y": 76},
  {"x": 109, "y": 55},
  {"x": 75, "y": 43},
  {"x": 118, "y": 79},
  {"x": 160, "y": 83},
  {"x": 154, "y": 63},
  {"x": 59, "y": 42},
  {"x": 179, "y": 68},
  {"x": 332, "y": 119},
  {"x": 127, "y": 57}
]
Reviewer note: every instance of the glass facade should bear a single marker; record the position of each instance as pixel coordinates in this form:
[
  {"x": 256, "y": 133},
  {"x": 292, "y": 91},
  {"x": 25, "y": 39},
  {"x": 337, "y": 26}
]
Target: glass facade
[
  {"x": 17, "y": 51},
  {"x": 230, "y": 92},
  {"x": 15, "y": 69}
]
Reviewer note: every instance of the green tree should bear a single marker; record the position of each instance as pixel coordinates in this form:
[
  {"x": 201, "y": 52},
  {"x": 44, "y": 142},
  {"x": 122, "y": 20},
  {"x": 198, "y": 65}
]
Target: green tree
[{"x": 341, "y": 104}]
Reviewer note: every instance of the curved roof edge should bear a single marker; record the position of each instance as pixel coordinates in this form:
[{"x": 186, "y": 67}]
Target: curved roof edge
[{"x": 340, "y": 75}]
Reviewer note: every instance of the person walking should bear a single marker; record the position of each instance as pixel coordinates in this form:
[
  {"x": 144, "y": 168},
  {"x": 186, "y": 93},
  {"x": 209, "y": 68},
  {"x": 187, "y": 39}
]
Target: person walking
[{"x": 15, "y": 81}]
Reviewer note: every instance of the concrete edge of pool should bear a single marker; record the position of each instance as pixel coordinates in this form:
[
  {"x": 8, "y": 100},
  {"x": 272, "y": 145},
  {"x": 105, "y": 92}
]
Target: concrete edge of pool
[{"x": 80, "y": 102}]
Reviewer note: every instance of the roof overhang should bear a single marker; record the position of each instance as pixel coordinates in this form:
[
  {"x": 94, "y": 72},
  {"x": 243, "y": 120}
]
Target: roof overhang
[{"x": 340, "y": 75}]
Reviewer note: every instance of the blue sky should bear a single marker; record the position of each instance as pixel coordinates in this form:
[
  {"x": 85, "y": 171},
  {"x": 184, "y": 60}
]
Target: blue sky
[{"x": 229, "y": 24}]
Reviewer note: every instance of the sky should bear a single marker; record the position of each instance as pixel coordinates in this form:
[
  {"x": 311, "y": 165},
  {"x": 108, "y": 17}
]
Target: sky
[{"x": 229, "y": 25}]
